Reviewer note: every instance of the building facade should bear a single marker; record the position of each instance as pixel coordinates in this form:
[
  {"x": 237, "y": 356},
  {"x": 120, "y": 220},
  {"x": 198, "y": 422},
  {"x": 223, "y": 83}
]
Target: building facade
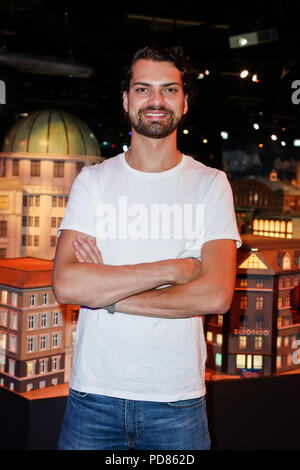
[
  {"x": 261, "y": 332},
  {"x": 41, "y": 156},
  {"x": 36, "y": 333}
]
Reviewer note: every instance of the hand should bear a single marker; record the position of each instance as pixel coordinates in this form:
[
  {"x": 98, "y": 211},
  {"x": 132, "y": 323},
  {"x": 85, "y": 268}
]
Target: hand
[
  {"x": 188, "y": 269},
  {"x": 86, "y": 250}
]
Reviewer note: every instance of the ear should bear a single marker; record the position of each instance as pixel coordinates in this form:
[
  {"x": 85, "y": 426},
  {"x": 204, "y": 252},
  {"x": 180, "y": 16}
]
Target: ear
[
  {"x": 125, "y": 101},
  {"x": 186, "y": 106}
]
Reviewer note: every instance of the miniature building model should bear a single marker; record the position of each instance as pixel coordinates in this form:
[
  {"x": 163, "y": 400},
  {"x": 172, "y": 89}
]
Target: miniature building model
[
  {"x": 36, "y": 333},
  {"x": 262, "y": 328},
  {"x": 41, "y": 156},
  {"x": 268, "y": 207}
]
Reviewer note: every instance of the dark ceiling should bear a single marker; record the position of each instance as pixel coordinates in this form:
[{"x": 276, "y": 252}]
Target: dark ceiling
[{"x": 103, "y": 39}]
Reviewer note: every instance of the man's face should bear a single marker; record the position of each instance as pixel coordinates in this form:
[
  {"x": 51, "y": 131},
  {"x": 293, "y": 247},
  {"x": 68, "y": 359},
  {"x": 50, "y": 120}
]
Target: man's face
[{"x": 155, "y": 102}]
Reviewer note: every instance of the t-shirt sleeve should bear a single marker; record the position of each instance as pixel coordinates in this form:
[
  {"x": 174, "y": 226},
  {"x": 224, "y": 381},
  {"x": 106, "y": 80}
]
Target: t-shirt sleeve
[
  {"x": 219, "y": 213},
  {"x": 80, "y": 211}
]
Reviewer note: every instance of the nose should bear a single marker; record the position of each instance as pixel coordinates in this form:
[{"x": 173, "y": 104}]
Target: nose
[{"x": 156, "y": 98}]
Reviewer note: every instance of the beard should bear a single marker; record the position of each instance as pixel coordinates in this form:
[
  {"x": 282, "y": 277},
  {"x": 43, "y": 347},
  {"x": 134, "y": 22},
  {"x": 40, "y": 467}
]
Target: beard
[{"x": 155, "y": 129}]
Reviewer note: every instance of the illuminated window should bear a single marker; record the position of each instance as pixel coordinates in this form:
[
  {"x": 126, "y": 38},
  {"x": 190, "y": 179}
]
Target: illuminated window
[
  {"x": 280, "y": 301},
  {"x": 243, "y": 282},
  {"x": 209, "y": 336},
  {"x": 278, "y": 362},
  {"x": 4, "y": 296},
  {"x": 259, "y": 281},
  {"x": 30, "y": 368},
  {"x": 286, "y": 340},
  {"x": 253, "y": 262},
  {"x": 259, "y": 302},
  {"x": 243, "y": 302},
  {"x": 242, "y": 342},
  {"x": 279, "y": 322},
  {"x": 258, "y": 342},
  {"x": 3, "y": 202},
  {"x": 219, "y": 339},
  {"x": 2, "y": 340},
  {"x": 220, "y": 320},
  {"x": 218, "y": 359},
  {"x": 279, "y": 341},
  {"x": 257, "y": 362},
  {"x": 3, "y": 318},
  {"x": 240, "y": 361},
  {"x": 286, "y": 262}
]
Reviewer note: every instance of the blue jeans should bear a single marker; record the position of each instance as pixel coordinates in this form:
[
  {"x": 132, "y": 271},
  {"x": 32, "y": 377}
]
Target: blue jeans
[{"x": 94, "y": 422}]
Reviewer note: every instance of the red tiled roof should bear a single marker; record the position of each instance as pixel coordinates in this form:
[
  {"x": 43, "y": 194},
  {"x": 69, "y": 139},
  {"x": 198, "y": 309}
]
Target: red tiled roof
[{"x": 25, "y": 273}]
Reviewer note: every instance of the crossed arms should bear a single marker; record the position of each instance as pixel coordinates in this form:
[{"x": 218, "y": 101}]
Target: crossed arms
[{"x": 81, "y": 277}]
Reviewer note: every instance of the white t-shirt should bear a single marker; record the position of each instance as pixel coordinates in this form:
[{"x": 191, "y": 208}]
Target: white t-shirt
[{"x": 141, "y": 217}]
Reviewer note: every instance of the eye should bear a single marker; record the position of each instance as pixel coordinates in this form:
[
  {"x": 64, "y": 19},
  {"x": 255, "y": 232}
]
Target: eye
[{"x": 141, "y": 90}]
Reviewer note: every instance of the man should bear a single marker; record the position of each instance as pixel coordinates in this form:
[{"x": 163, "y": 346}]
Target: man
[{"x": 127, "y": 251}]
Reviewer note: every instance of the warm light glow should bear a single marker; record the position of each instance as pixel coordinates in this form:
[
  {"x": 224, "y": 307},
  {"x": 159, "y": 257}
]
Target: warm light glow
[
  {"x": 283, "y": 143},
  {"x": 256, "y": 126},
  {"x": 244, "y": 73},
  {"x": 205, "y": 141},
  {"x": 200, "y": 75},
  {"x": 260, "y": 146},
  {"x": 207, "y": 72},
  {"x": 254, "y": 78},
  {"x": 185, "y": 131},
  {"x": 253, "y": 262},
  {"x": 274, "y": 137}
]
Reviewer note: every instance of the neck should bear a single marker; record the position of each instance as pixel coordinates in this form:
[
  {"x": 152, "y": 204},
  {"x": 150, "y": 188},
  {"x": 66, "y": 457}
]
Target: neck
[{"x": 153, "y": 155}]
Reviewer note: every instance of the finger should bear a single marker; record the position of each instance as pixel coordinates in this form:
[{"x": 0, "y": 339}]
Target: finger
[
  {"x": 79, "y": 257},
  {"x": 86, "y": 250},
  {"x": 93, "y": 245},
  {"x": 82, "y": 253}
]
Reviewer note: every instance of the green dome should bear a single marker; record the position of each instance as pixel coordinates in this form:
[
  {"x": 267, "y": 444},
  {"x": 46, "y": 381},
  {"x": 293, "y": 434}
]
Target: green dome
[{"x": 51, "y": 132}]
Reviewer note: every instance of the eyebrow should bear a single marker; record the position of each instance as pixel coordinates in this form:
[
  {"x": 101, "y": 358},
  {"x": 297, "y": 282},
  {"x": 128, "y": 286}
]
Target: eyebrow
[{"x": 162, "y": 84}]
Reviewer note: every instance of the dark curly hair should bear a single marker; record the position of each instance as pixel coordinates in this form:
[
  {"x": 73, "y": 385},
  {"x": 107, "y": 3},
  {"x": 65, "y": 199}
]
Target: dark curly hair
[{"x": 160, "y": 53}]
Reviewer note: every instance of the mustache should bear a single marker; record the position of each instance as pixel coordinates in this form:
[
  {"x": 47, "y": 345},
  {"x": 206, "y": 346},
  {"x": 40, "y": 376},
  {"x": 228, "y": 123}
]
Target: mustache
[{"x": 155, "y": 108}]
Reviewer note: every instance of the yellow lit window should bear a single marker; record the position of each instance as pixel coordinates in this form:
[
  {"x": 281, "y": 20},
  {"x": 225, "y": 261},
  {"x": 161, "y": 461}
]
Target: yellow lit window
[
  {"x": 253, "y": 262},
  {"x": 3, "y": 202}
]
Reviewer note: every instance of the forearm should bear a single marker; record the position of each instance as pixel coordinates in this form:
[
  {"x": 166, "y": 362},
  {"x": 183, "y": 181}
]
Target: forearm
[
  {"x": 198, "y": 297},
  {"x": 98, "y": 285}
]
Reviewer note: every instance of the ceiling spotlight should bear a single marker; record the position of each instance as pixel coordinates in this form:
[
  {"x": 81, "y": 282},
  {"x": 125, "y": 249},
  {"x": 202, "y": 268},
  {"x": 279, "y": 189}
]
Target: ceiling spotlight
[
  {"x": 200, "y": 75},
  {"x": 254, "y": 78},
  {"x": 256, "y": 126},
  {"x": 205, "y": 141},
  {"x": 242, "y": 41},
  {"x": 224, "y": 135},
  {"x": 207, "y": 72},
  {"x": 283, "y": 143},
  {"x": 244, "y": 73},
  {"x": 185, "y": 131},
  {"x": 296, "y": 143},
  {"x": 274, "y": 137}
]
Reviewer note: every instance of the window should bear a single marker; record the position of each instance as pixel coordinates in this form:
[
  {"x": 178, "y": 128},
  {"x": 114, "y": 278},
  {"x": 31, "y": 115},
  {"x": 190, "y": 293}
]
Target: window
[
  {"x": 219, "y": 339},
  {"x": 280, "y": 301},
  {"x": 12, "y": 343},
  {"x": 4, "y": 296},
  {"x": 36, "y": 240},
  {"x": 243, "y": 282},
  {"x": 218, "y": 359},
  {"x": 13, "y": 321},
  {"x": 55, "y": 363},
  {"x": 43, "y": 366},
  {"x": 11, "y": 366},
  {"x": 278, "y": 362},
  {"x": 44, "y": 342},
  {"x": 36, "y": 221},
  {"x": 2, "y": 340},
  {"x": 279, "y": 341},
  {"x": 257, "y": 362},
  {"x": 14, "y": 299},
  {"x": 45, "y": 298},
  {"x": 3, "y": 202},
  {"x": 54, "y": 201},
  {"x": 242, "y": 342},
  {"x": 3, "y": 318},
  {"x": 3, "y": 228},
  {"x": 44, "y": 320},
  {"x": 32, "y": 300},
  {"x": 243, "y": 302},
  {"x": 209, "y": 336},
  {"x": 25, "y": 200},
  {"x": 30, "y": 345},
  {"x": 15, "y": 167},
  {"x": 259, "y": 303},
  {"x": 58, "y": 169},
  {"x": 243, "y": 320},
  {"x": 286, "y": 262},
  {"x": 53, "y": 222},
  {"x": 240, "y": 361},
  {"x": 259, "y": 321},
  {"x": 31, "y": 322},
  {"x": 258, "y": 342},
  {"x": 220, "y": 320},
  {"x": 56, "y": 318},
  {"x": 30, "y": 221},
  {"x": 35, "y": 168},
  {"x": 56, "y": 340},
  {"x": 53, "y": 241},
  {"x": 2, "y": 252},
  {"x": 30, "y": 368}
]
